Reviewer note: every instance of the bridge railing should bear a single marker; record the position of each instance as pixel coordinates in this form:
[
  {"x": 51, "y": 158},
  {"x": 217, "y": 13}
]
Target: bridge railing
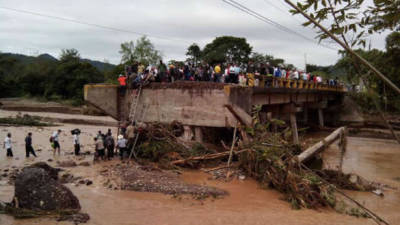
[{"x": 273, "y": 82}]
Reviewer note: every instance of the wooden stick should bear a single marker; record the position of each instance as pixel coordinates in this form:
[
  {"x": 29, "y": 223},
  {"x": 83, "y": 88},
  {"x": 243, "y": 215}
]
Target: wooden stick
[
  {"x": 317, "y": 148},
  {"x": 228, "y": 173},
  {"x": 233, "y": 145},
  {"x": 342, "y": 147},
  {"x": 216, "y": 168},
  {"x": 209, "y": 156}
]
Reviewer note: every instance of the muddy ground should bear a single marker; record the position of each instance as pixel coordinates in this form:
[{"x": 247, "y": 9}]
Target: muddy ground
[{"x": 375, "y": 159}]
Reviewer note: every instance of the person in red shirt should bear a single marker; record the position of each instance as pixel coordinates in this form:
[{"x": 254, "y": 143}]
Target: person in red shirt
[{"x": 122, "y": 80}]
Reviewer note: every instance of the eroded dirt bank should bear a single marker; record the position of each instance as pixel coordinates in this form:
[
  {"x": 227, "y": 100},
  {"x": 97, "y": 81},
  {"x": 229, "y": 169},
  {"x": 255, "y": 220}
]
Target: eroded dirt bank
[{"x": 247, "y": 203}]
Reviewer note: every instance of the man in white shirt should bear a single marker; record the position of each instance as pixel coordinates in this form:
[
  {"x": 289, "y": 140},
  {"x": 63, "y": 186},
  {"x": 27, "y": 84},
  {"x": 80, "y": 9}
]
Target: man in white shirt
[
  {"x": 77, "y": 144},
  {"x": 8, "y": 146},
  {"x": 122, "y": 146},
  {"x": 56, "y": 143},
  {"x": 304, "y": 76}
]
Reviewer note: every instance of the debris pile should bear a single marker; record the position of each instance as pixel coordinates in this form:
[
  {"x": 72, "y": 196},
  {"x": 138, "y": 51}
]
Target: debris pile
[
  {"x": 150, "y": 179},
  {"x": 273, "y": 163}
]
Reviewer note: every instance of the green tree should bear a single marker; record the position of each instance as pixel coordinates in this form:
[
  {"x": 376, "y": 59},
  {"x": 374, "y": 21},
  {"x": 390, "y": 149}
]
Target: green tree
[
  {"x": 260, "y": 58},
  {"x": 353, "y": 18},
  {"x": 69, "y": 54},
  {"x": 194, "y": 52},
  {"x": 383, "y": 15},
  {"x": 70, "y": 76},
  {"x": 10, "y": 69},
  {"x": 227, "y": 49},
  {"x": 393, "y": 47},
  {"x": 145, "y": 52},
  {"x": 127, "y": 52}
]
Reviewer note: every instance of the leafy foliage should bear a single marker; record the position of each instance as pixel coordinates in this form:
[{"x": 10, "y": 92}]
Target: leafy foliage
[
  {"x": 144, "y": 52},
  {"x": 227, "y": 49},
  {"x": 353, "y": 20},
  {"x": 194, "y": 52},
  {"x": 127, "y": 50},
  {"x": 260, "y": 58}
]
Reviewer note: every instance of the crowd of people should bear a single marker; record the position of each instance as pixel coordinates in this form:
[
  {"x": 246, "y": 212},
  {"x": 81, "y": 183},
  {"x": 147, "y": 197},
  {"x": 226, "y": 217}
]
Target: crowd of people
[
  {"x": 251, "y": 74},
  {"x": 104, "y": 143}
]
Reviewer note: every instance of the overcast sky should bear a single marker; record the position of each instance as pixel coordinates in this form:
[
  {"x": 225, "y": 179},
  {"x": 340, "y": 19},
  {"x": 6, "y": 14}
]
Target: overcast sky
[{"x": 172, "y": 25}]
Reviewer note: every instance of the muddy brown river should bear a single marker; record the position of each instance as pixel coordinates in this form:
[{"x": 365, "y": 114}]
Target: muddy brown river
[{"x": 374, "y": 159}]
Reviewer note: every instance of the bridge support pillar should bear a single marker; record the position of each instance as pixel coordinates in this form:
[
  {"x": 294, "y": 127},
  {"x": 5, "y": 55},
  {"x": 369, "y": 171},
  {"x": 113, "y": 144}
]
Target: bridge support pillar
[
  {"x": 198, "y": 134},
  {"x": 293, "y": 124},
  {"x": 187, "y": 133},
  {"x": 321, "y": 117},
  {"x": 305, "y": 115}
]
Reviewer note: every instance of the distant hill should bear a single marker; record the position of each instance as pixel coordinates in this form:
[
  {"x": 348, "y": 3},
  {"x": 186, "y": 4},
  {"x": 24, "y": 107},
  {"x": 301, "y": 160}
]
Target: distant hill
[
  {"x": 101, "y": 66},
  {"x": 47, "y": 57}
]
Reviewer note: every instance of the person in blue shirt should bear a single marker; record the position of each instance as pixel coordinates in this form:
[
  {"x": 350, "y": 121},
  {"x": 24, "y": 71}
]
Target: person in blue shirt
[{"x": 278, "y": 72}]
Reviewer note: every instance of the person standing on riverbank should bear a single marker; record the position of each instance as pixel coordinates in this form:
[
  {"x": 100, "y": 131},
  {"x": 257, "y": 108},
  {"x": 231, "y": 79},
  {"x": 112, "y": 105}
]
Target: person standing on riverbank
[
  {"x": 28, "y": 146},
  {"x": 77, "y": 144},
  {"x": 8, "y": 145},
  {"x": 121, "y": 145},
  {"x": 110, "y": 144},
  {"x": 56, "y": 143},
  {"x": 99, "y": 146}
]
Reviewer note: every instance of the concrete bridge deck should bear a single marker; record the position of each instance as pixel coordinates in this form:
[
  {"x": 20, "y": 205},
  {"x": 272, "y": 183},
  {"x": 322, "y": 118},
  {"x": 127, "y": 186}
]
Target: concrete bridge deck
[{"x": 211, "y": 104}]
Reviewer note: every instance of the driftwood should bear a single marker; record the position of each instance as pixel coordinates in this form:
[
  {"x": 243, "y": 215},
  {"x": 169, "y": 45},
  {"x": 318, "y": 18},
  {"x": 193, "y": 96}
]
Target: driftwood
[
  {"x": 209, "y": 156},
  {"x": 242, "y": 116},
  {"x": 233, "y": 145},
  {"x": 320, "y": 146}
]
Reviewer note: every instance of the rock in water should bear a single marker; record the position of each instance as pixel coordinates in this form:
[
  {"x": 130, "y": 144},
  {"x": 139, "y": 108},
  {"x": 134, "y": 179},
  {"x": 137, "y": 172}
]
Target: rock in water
[{"x": 36, "y": 190}]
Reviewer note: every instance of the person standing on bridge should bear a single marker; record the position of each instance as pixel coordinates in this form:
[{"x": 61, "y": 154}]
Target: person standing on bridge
[
  {"x": 28, "y": 145},
  {"x": 122, "y": 80},
  {"x": 217, "y": 73},
  {"x": 277, "y": 75},
  {"x": 251, "y": 69},
  {"x": 162, "y": 72}
]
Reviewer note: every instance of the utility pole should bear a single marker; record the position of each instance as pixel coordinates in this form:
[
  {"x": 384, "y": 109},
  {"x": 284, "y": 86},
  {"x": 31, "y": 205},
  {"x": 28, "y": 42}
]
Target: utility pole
[
  {"x": 305, "y": 62},
  {"x": 347, "y": 48}
]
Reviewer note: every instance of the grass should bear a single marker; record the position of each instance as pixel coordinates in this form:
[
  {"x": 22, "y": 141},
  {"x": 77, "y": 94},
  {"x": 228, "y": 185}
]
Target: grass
[{"x": 24, "y": 120}]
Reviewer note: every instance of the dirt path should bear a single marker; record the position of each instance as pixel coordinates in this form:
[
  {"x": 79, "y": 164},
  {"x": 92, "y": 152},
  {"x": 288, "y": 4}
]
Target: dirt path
[{"x": 246, "y": 203}]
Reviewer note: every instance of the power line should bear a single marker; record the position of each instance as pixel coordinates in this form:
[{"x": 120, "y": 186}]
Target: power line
[
  {"x": 275, "y": 6},
  {"x": 282, "y": 10},
  {"x": 88, "y": 24},
  {"x": 271, "y": 22}
]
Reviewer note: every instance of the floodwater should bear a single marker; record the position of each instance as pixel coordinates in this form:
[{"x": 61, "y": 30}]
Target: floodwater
[{"x": 247, "y": 203}]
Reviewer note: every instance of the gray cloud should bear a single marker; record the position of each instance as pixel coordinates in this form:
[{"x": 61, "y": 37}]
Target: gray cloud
[{"x": 182, "y": 21}]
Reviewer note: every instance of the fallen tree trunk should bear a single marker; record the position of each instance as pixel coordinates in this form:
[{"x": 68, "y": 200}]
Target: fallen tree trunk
[
  {"x": 207, "y": 157},
  {"x": 320, "y": 146}
]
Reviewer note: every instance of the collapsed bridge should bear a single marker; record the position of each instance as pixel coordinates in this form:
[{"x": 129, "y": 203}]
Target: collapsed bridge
[{"x": 206, "y": 104}]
